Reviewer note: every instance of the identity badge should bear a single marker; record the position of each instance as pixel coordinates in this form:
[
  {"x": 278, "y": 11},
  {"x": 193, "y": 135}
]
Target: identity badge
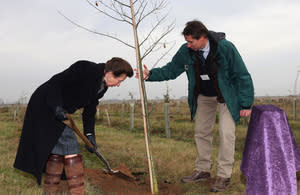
[{"x": 204, "y": 77}]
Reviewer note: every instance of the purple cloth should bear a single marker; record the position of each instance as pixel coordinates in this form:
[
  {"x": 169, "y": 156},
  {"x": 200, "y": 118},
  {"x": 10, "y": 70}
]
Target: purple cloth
[{"x": 271, "y": 157}]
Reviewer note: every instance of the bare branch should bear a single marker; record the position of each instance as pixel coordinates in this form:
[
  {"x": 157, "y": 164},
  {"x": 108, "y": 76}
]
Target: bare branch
[
  {"x": 117, "y": 10},
  {"x": 122, "y": 4},
  {"x": 156, "y": 7},
  {"x": 141, "y": 14},
  {"x": 121, "y": 13},
  {"x": 153, "y": 28},
  {"x": 92, "y": 31},
  {"x": 150, "y": 49},
  {"x": 109, "y": 15},
  {"x": 164, "y": 54},
  {"x": 139, "y": 8}
]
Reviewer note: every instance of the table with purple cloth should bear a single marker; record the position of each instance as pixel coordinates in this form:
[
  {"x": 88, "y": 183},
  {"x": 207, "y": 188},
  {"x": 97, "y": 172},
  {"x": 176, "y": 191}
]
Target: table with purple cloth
[{"x": 271, "y": 157}]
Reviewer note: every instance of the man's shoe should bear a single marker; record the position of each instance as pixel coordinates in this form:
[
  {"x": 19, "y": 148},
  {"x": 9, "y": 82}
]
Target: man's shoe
[
  {"x": 220, "y": 184},
  {"x": 196, "y": 176}
]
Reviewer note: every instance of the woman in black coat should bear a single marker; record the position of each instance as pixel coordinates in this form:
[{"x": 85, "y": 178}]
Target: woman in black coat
[{"x": 46, "y": 142}]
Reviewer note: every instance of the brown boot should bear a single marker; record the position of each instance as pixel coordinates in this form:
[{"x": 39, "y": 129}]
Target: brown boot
[
  {"x": 75, "y": 176},
  {"x": 54, "y": 168},
  {"x": 220, "y": 184},
  {"x": 195, "y": 177}
]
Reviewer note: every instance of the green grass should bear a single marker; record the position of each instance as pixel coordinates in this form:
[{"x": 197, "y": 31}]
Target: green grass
[{"x": 173, "y": 158}]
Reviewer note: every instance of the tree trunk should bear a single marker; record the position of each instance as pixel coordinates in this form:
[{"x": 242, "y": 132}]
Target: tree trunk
[{"x": 153, "y": 181}]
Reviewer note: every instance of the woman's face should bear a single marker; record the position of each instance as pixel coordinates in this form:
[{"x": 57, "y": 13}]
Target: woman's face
[{"x": 113, "y": 81}]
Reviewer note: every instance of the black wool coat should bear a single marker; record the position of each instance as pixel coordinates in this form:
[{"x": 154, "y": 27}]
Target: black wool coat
[{"x": 76, "y": 87}]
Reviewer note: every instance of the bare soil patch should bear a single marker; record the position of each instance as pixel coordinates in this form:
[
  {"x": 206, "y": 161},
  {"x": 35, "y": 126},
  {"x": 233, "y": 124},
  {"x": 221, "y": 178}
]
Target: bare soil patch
[{"x": 132, "y": 184}]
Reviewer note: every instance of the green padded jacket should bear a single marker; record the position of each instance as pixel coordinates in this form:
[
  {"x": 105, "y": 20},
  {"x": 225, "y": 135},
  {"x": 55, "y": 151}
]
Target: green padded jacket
[{"x": 234, "y": 80}]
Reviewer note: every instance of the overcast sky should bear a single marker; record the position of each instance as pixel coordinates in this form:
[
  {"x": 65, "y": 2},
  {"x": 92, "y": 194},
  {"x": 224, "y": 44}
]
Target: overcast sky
[{"x": 37, "y": 42}]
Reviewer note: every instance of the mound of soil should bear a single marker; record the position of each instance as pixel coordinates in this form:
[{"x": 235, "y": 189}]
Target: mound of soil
[{"x": 125, "y": 183}]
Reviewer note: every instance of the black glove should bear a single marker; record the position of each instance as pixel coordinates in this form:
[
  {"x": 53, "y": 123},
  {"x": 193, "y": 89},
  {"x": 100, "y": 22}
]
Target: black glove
[
  {"x": 60, "y": 113},
  {"x": 92, "y": 139}
]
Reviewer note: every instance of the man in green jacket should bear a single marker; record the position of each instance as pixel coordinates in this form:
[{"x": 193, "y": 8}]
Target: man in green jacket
[{"x": 217, "y": 78}]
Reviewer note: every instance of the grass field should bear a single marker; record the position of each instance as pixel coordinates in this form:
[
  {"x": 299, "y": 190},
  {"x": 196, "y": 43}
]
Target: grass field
[{"x": 173, "y": 157}]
